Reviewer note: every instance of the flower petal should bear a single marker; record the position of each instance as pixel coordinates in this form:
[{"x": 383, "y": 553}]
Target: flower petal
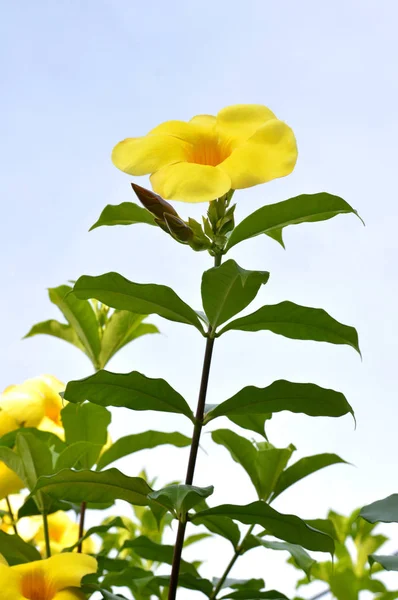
[
  {"x": 7, "y": 423},
  {"x": 242, "y": 120},
  {"x": 10, "y": 483},
  {"x": 270, "y": 153},
  {"x": 140, "y": 156},
  {"x": 70, "y": 594},
  {"x": 49, "y": 388},
  {"x": 60, "y": 571},
  {"x": 191, "y": 182},
  {"x": 23, "y": 404},
  {"x": 10, "y": 583}
]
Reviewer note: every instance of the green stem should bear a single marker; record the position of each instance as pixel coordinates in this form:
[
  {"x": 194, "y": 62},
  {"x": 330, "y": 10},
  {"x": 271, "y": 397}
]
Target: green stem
[
  {"x": 81, "y": 525},
  {"x": 9, "y": 507},
  {"x": 200, "y": 410},
  {"x": 46, "y": 534},
  {"x": 238, "y": 552}
]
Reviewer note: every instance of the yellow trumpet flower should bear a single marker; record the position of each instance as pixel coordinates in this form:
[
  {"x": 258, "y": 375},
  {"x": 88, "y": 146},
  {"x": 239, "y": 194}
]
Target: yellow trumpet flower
[
  {"x": 204, "y": 158},
  {"x": 10, "y": 483},
  {"x": 55, "y": 578},
  {"x": 63, "y": 533}
]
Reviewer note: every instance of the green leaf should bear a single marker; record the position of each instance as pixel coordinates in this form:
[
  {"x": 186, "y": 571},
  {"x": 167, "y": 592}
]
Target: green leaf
[
  {"x": 122, "y": 328},
  {"x": 179, "y": 498},
  {"x": 244, "y": 584},
  {"x": 298, "y": 323},
  {"x": 138, "y": 580},
  {"x": 78, "y": 452},
  {"x": 14, "y": 462},
  {"x": 271, "y": 219},
  {"x": 37, "y": 461},
  {"x": 16, "y": 551},
  {"x": 126, "y": 213},
  {"x": 116, "y": 522},
  {"x": 255, "y": 595},
  {"x": 98, "y": 487},
  {"x": 381, "y": 511},
  {"x": 129, "y": 390},
  {"x": 222, "y": 526},
  {"x": 228, "y": 289},
  {"x": 306, "y": 398},
  {"x": 324, "y": 525},
  {"x": 254, "y": 423},
  {"x": 86, "y": 423},
  {"x": 30, "y": 509},
  {"x": 59, "y": 330},
  {"x": 389, "y": 563},
  {"x": 81, "y": 316},
  {"x": 302, "y": 559},
  {"x": 304, "y": 467},
  {"x": 286, "y": 527},
  {"x": 196, "y": 537},
  {"x": 50, "y": 439},
  {"x": 190, "y": 582},
  {"x": 141, "y": 441},
  {"x": 263, "y": 463},
  {"x": 146, "y": 548},
  {"x": 114, "y": 290}
]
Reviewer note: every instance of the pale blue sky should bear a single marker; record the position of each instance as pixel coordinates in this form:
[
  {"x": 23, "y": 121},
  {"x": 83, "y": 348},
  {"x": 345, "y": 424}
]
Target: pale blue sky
[{"x": 79, "y": 76}]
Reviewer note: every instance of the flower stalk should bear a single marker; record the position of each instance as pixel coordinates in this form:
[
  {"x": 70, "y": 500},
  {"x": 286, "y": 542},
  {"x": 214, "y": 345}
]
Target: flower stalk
[{"x": 46, "y": 534}]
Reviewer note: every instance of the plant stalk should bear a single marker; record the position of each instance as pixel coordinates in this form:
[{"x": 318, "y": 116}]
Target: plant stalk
[
  {"x": 229, "y": 566},
  {"x": 81, "y": 525},
  {"x": 46, "y": 535},
  {"x": 200, "y": 409},
  {"x": 10, "y": 511}
]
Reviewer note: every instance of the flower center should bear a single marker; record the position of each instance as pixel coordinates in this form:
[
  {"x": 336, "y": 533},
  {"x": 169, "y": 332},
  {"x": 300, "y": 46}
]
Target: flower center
[
  {"x": 36, "y": 587},
  {"x": 210, "y": 150}
]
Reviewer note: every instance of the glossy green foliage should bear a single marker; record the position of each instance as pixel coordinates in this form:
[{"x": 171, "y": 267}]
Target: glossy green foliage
[
  {"x": 126, "y": 213},
  {"x": 180, "y": 498}
]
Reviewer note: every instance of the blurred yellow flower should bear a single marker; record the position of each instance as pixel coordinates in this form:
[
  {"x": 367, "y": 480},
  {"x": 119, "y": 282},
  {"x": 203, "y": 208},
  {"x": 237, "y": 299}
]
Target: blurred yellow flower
[
  {"x": 201, "y": 160},
  {"x": 16, "y": 501},
  {"x": 10, "y": 483},
  {"x": 55, "y": 578},
  {"x": 63, "y": 533}
]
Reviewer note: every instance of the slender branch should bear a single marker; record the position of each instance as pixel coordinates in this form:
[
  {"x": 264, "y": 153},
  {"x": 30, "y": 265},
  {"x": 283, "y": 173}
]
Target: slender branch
[
  {"x": 46, "y": 534},
  {"x": 321, "y": 595},
  {"x": 238, "y": 552},
  {"x": 81, "y": 525},
  {"x": 200, "y": 409},
  {"x": 10, "y": 511}
]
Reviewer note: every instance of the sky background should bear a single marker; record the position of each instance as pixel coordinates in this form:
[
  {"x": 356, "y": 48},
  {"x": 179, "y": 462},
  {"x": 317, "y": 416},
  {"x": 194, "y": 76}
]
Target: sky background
[{"x": 77, "y": 77}]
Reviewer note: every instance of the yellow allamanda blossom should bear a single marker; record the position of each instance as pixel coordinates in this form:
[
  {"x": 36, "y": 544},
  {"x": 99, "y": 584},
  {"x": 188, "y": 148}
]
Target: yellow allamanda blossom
[
  {"x": 55, "y": 578},
  {"x": 33, "y": 403},
  {"x": 201, "y": 160}
]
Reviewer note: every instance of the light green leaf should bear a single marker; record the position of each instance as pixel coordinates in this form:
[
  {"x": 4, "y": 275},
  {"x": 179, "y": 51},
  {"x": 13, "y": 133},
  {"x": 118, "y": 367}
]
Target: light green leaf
[
  {"x": 126, "y": 213},
  {"x": 228, "y": 289},
  {"x": 59, "y": 330},
  {"x": 86, "y": 423},
  {"x": 302, "y": 559},
  {"x": 118, "y": 292},
  {"x": 81, "y": 316},
  {"x": 286, "y": 527},
  {"x": 298, "y": 323},
  {"x": 37, "y": 461},
  {"x": 306, "y": 398},
  {"x": 14, "y": 462},
  {"x": 16, "y": 551},
  {"x": 129, "y": 390},
  {"x": 179, "y": 498},
  {"x": 122, "y": 328},
  {"x": 98, "y": 487},
  {"x": 271, "y": 219},
  {"x": 141, "y": 441},
  {"x": 146, "y": 548},
  {"x": 304, "y": 467},
  {"x": 78, "y": 452},
  {"x": 382, "y": 511},
  {"x": 254, "y": 423},
  {"x": 196, "y": 537}
]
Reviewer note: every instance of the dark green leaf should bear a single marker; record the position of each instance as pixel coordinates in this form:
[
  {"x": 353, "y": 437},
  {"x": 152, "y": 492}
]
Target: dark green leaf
[
  {"x": 324, "y": 525},
  {"x": 179, "y": 498},
  {"x": 389, "y": 563},
  {"x": 126, "y": 213},
  {"x": 255, "y": 595},
  {"x": 81, "y": 316},
  {"x": 251, "y": 422},
  {"x": 188, "y": 581},
  {"x": 298, "y": 323},
  {"x": 90, "y": 486},
  {"x": 304, "y": 467},
  {"x": 86, "y": 423},
  {"x": 30, "y": 509},
  {"x": 286, "y": 527},
  {"x": 271, "y": 219},
  {"x": 222, "y": 526},
  {"x": 228, "y": 289},
  {"x": 141, "y": 441},
  {"x": 302, "y": 559},
  {"x": 244, "y": 584},
  {"x": 130, "y": 390},
  {"x": 122, "y": 328},
  {"x": 382, "y": 511},
  {"x": 59, "y": 330},
  {"x": 16, "y": 551},
  {"x": 78, "y": 452},
  {"x": 14, "y": 462},
  {"x": 116, "y": 522},
  {"x": 146, "y": 548},
  {"x": 306, "y": 398},
  {"x": 114, "y": 290}
]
